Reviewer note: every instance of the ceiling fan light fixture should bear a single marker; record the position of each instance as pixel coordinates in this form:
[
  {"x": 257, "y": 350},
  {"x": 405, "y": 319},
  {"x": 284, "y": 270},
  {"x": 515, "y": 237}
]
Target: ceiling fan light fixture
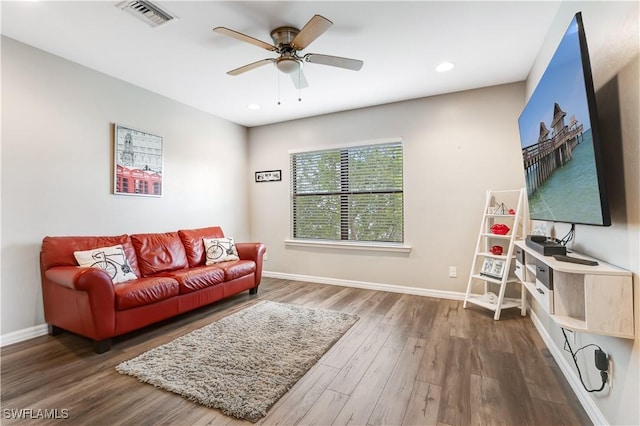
[{"x": 288, "y": 65}]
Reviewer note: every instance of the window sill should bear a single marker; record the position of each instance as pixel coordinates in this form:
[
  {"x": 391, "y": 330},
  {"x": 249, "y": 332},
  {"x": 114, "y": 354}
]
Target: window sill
[{"x": 381, "y": 247}]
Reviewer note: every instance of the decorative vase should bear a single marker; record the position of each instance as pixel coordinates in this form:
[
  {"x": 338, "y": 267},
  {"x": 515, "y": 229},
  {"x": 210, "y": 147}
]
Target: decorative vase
[{"x": 497, "y": 250}]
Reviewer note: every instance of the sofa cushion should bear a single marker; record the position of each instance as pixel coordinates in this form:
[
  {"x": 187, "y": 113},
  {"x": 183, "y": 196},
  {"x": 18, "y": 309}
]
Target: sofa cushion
[
  {"x": 193, "y": 245},
  {"x": 144, "y": 291},
  {"x": 219, "y": 250},
  {"x": 194, "y": 279},
  {"x": 111, "y": 259},
  {"x": 159, "y": 252},
  {"x": 237, "y": 269},
  {"x": 58, "y": 251}
]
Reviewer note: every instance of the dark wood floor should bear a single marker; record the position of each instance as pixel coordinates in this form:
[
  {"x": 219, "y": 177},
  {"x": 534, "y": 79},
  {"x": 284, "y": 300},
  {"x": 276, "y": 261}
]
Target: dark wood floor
[{"x": 410, "y": 360}]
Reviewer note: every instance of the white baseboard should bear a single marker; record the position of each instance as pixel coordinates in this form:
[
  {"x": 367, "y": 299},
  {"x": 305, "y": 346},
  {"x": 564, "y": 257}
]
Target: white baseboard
[
  {"x": 439, "y": 294},
  {"x": 24, "y": 334},
  {"x": 569, "y": 373}
]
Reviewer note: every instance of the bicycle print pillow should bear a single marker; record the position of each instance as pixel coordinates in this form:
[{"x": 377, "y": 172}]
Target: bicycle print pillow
[
  {"x": 220, "y": 250},
  {"x": 110, "y": 259}
]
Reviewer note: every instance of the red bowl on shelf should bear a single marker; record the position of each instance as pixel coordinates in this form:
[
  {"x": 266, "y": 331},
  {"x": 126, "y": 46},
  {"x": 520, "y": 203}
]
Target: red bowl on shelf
[
  {"x": 500, "y": 229},
  {"x": 497, "y": 250}
]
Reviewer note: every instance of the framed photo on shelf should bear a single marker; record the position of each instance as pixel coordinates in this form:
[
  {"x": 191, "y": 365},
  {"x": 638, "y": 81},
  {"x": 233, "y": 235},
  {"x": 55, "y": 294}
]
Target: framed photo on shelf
[
  {"x": 269, "y": 176},
  {"x": 493, "y": 268},
  {"x": 487, "y": 265},
  {"x": 138, "y": 162}
]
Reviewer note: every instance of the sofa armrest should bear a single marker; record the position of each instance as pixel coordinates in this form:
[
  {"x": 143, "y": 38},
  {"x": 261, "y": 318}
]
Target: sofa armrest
[
  {"x": 87, "y": 306},
  {"x": 255, "y": 252},
  {"x": 78, "y": 278}
]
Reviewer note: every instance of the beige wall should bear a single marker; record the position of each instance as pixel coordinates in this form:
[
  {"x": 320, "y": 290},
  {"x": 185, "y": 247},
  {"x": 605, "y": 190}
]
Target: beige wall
[
  {"x": 456, "y": 146},
  {"x": 57, "y": 161},
  {"x": 612, "y": 31}
]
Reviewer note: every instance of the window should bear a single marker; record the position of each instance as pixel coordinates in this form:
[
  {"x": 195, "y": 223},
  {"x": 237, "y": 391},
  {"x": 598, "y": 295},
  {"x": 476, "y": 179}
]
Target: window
[{"x": 349, "y": 194}]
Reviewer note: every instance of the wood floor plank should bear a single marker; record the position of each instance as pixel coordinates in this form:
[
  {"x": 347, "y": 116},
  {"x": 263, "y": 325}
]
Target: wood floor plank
[
  {"x": 392, "y": 403},
  {"x": 432, "y": 367},
  {"x": 423, "y": 405},
  {"x": 301, "y": 398},
  {"x": 325, "y": 410},
  {"x": 414, "y": 320},
  {"x": 536, "y": 370},
  {"x": 455, "y": 397},
  {"x": 547, "y": 412},
  {"x": 340, "y": 354},
  {"x": 380, "y": 303},
  {"x": 364, "y": 398},
  {"x": 368, "y": 376},
  {"x": 513, "y": 388},
  {"x": 353, "y": 371},
  {"x": 487, "y": 407}
]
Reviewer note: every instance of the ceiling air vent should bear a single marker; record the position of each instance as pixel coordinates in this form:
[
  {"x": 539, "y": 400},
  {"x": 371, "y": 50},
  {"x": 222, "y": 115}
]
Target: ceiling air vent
[{"x": 147, "y": 12}]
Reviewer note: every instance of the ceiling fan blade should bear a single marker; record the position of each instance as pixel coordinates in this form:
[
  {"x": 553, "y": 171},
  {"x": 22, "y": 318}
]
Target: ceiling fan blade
[
  {"x": 299, "y": 80},
  {"x": 245, "y": 38},
  {"x": 334, "y": 61},
  {"x": 250, "y": 66},
  {"x": 311, "y": 31}
]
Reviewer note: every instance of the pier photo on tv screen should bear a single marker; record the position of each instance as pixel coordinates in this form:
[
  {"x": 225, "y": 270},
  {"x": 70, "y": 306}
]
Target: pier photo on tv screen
[{"x": 559, "y": 139}]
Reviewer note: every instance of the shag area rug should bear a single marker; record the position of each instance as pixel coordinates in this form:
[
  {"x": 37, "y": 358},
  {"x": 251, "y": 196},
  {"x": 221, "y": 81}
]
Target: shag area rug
[{"x": 243, "y": 363}]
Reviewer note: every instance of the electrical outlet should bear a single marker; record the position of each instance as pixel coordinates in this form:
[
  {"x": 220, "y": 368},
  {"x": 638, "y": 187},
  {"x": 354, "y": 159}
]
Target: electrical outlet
[
  {"x": 453, "y": 272},
  {"x": 265, "y": 257}
]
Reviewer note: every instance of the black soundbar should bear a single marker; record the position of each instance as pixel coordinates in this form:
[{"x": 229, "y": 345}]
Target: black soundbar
[{"x": 547, "y": 247}]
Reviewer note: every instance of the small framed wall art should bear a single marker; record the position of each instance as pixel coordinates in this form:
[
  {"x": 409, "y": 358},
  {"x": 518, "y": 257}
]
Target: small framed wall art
[
  {"x": 269, "y": 176},
  {"x": 138, "y": 162}
]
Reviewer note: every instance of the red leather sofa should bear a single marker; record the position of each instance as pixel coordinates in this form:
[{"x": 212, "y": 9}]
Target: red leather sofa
[{"x": 172, "y": 279}]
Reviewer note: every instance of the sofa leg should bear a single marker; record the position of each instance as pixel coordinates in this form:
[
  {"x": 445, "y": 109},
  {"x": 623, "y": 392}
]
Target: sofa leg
[
  {"x": 102, "y": 346},
  {"x": 253, "y": 290},
  {"x": 53, "y": 330}
]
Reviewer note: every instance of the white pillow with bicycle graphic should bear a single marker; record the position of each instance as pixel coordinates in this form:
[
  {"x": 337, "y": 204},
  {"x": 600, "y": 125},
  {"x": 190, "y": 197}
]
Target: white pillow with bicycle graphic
[
  {"x": 110, "y": 259},
  {"x": 220, "y": 250}
]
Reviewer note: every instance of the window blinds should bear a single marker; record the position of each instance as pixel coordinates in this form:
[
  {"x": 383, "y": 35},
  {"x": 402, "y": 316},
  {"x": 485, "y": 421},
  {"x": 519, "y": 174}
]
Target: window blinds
[{"x": 351, "y": 193}]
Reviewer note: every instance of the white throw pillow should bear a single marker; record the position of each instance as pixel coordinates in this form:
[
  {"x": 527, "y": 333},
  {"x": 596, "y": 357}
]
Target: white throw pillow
[
  {"x": 220, "y": 250},
  {"x": 110, "y": 259}
]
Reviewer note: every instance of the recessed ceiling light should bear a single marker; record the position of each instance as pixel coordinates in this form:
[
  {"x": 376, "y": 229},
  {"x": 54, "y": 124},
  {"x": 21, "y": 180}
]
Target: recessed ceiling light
[
  {"x": 445, "y": 66},
  {"x": 253, "y": 106}
]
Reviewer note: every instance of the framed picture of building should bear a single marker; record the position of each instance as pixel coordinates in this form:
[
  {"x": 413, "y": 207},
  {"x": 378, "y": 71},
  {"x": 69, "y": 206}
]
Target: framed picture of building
[{"x": 138, "y": 162}]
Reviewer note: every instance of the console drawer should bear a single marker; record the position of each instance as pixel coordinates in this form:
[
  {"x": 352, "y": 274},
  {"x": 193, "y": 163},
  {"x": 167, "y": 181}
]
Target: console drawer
[
  {"x": 544, "y": 296},
  {"x": 544, "y": 274},
  {"x": 519, "y": 255},
  {"x": 519, "y": 270}
]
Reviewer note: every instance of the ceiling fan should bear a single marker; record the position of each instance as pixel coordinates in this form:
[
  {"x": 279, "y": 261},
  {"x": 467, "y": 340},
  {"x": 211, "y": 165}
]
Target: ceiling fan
[{"x": 287, "y": 42}]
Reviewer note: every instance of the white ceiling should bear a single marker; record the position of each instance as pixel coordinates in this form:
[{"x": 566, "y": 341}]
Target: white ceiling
[{"x": 401, "y": 43}]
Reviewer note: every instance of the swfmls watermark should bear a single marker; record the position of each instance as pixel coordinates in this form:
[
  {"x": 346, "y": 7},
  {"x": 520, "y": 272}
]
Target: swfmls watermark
[{"x": 35, "y": 413}]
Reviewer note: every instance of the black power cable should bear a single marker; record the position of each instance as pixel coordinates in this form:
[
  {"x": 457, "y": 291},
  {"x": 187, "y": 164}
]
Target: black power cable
[
  {"x": 601, "y": 362},
  {"x": 570, "y": 235}
]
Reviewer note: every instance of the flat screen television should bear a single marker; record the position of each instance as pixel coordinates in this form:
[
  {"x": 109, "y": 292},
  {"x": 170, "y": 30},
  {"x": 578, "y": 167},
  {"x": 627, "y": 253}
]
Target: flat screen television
[{"x": 560, "y": 140}]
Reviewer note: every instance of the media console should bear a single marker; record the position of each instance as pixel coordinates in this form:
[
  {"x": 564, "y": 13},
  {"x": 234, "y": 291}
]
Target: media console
[{"x": 588, "y": 299}]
